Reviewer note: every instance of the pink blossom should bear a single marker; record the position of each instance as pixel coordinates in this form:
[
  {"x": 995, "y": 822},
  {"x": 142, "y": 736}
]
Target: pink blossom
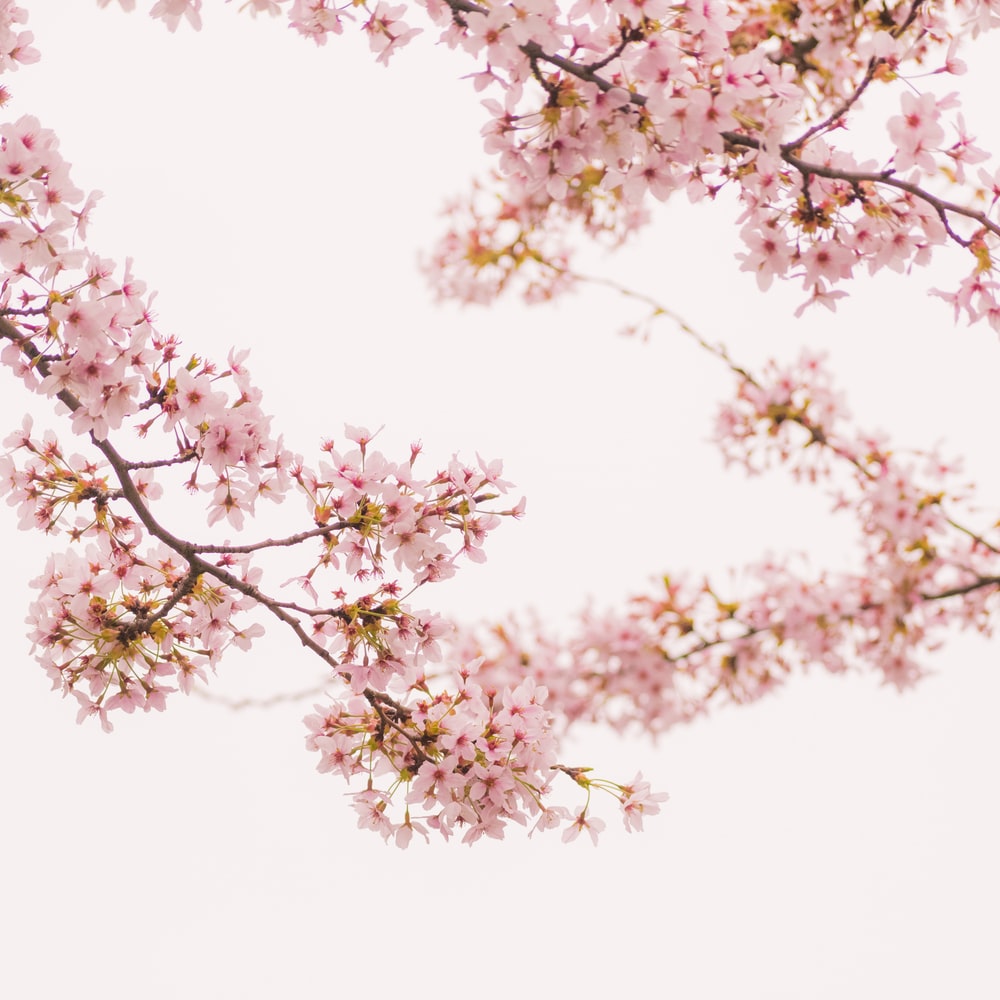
[
  {"x": 916, "y": 132},
  {"x": 587, "y": 117},
  {"x": 171, "y": 12},
  {"x": 593, "y": 825}
]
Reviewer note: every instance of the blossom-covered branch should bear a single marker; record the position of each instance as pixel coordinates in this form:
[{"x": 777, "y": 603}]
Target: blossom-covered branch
[
  {"x": 601, "y": 104},
  {"x": 130, "y": 611},
  {"x": 671, "y": 654}
]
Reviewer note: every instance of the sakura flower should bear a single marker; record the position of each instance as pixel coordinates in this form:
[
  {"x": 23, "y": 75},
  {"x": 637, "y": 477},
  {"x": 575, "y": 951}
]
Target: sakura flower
[
  {"x": 171, "y": 12},
  {"x": 593, "y": 825},
  {"x": 638, "y": 800},
  {"x": 386, "y": 33},
  {"x": 916, "y": 132}
]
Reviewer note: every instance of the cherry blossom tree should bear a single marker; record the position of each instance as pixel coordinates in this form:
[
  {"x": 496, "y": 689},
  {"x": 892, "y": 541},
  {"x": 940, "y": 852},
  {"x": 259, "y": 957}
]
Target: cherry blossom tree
[{"x": 591, "y": 112}]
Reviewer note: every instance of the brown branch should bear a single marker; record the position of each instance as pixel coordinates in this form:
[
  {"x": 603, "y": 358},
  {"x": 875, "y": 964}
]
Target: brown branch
[
  {"x": 885, "y": 177},
  {"x": 376, "y": 699},
  {"x": 535, "y": 52},
  {"x": 835, "y": 116},
  {"x": 817, "y": 434},
  {"x": 164, "y": 463},
  {"x": 977, "y": 584},
  {"x": 141, "y": 624},
  {"x": 270, "y": 543},
  {"x": 846, "y": 616},
  {"x": 315, "y": 612},
  {"x": 628, "y": 37},
  {"x": 846, "y": 106},
  {"x": 189, "y": 552},
  {"x": 11, "y": 332}
]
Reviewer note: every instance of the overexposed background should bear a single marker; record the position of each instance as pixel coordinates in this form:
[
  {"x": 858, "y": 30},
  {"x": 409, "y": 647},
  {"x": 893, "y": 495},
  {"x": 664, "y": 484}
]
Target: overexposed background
[{"x": 836, "y": 840}]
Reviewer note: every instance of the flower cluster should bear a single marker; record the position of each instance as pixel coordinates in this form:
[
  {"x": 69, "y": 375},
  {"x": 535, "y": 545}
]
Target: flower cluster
[
  {"x": 475, "y": 760},
  {"x": 599, "y": 106},
  {"x": 593, "y": 109},
  {"x": 110, "y": 625},
  {"x": 129, "y": 612},
  {"x": 673, "y": 653}
]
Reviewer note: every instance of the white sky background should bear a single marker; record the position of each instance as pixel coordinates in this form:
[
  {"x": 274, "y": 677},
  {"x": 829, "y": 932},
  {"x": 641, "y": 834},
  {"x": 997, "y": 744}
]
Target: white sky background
[{"x": 836, "y": 840}]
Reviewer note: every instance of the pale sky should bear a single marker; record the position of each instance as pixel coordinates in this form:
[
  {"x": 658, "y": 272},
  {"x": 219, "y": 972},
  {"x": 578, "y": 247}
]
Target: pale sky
[{"x": 837, "y": 840}]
